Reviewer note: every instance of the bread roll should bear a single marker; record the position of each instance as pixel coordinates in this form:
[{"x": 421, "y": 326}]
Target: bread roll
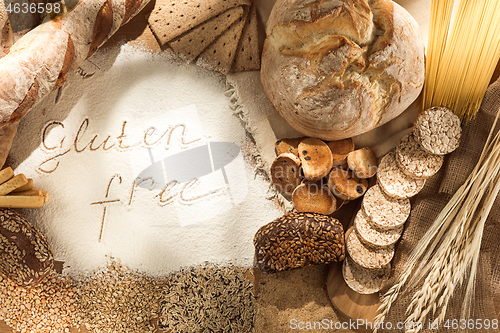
[{"x": 338, "y": 68}]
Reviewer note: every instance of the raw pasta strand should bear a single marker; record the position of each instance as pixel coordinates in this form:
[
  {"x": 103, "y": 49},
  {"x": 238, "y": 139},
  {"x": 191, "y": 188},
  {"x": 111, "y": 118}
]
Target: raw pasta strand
[
  {"x": 463, "y": 52},
  {"x": 440, "y": 19}
]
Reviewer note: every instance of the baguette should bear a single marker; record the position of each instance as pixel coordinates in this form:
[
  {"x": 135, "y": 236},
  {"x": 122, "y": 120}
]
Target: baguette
[
  {"x": 26, "y": 257},
  {"x": 41, "y": 60},
  {"x": 6, "y": 35}
]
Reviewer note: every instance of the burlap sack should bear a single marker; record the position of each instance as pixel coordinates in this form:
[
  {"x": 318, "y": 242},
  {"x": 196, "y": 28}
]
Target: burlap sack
[{"x": 427, "y": 205}]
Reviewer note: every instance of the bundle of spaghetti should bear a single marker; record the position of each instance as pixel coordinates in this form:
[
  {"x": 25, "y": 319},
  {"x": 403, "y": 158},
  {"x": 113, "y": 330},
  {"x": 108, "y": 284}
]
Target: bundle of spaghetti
[{"x": 462, "y": 54}]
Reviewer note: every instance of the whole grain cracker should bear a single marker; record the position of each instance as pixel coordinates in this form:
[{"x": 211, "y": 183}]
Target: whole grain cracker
[
  {"x": 438, "y": 130},
  {"x": 364, "y": 281},
  {"x": 170, "y": 19},
  {"x": 414, "y": 161},
  {"x": 192, "y": 43},
  {"x": 373, "y": 237},
  {"x": 384, "y": 212},
  {"x": 219, "y": 55},
  {"x": 248, "y": 52},
  {"x": 366, "y": 257},
  {"x": 395, "y": 182}
]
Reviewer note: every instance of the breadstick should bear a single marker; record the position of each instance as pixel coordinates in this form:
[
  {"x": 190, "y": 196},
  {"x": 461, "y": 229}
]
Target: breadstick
[
  {"x": 27, "y": 187},
  {"x": 46, "y": 196},
  {"x": 6, "y": 174},
  {"x": 12, "y": 184},
  {"x": 30, "y": 193},
  {"x": 14, "y": 201}
]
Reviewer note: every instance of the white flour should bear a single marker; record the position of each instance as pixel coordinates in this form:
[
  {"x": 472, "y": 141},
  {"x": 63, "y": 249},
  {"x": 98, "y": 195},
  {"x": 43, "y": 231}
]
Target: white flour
[{"x": 142, "y": 158}]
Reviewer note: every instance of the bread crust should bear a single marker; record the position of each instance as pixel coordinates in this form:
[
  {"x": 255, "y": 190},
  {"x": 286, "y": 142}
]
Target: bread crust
[
  {"x": 41, "y": 60},
  {"x": 299, "y": 240},
  {"x": 336, "y": 69},
  {"x": 25, "y": 253}
]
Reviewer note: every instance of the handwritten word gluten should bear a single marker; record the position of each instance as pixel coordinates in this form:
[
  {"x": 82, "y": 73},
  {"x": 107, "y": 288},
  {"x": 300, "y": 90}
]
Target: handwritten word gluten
[
  {"x": 173, "y": 190},
  {"x": 150, "y": 137}
]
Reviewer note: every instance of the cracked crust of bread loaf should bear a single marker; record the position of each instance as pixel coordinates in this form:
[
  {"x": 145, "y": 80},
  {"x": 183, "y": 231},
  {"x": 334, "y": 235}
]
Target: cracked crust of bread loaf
[{"x": 336, "y": 69}]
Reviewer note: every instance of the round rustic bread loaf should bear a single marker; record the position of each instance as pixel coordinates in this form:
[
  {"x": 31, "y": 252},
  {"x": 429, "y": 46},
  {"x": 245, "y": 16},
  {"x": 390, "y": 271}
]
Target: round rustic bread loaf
[{"x": 338, "y": 68}]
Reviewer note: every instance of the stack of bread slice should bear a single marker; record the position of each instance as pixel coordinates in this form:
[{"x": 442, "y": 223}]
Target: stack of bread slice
[
  {"x": 385, "y": 207},
  {"x": 219, "y": 35}
]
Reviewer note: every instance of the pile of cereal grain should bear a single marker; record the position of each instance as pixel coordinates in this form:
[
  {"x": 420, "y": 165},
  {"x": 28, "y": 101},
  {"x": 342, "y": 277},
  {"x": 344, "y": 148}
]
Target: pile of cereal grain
[
  {"x": 208, "y": 298},
  {"x": 116, "y": 299},
  {"x": 49, "y": 306}
]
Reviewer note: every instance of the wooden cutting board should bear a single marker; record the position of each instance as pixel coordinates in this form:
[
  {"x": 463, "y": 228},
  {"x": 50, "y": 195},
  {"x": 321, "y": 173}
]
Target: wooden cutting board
[{"x": 349, "y": 303}]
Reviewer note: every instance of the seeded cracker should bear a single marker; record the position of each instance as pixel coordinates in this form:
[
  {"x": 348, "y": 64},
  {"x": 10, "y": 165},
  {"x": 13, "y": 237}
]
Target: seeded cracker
[
  {"x": 248, "y": 53},
  {"x": 299, "y": 240},
  {"x": 173, "y": 18},
  {"x": 367, "y": 257},
  {"x": 373, "y": 237},
  {"x": 190, "y": 44},
  {"x": 384, "y": 212},
  {"x": 364, "y": 281},
  {"x": 414, "y": 161},
  {"x": 438, "y": 130},
  {"x": 219, "y": 55},
  {"x": 394, "y": 182}
]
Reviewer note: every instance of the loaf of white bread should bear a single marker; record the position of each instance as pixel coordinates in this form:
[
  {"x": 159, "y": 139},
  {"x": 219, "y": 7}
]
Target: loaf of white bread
[
  {"x": 40, "y": 61},
  {"x": 335, "y": 69}
]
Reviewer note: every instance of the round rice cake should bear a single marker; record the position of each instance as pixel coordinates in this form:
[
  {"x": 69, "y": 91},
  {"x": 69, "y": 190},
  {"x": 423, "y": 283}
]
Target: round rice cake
[
  {"x": 373, "y": 237},
  {"x": 395, "y": 182},
  {"x": 365, "y": 256},
  {"x": 364, "y": 281},
  {"x": 384, "y": 212},
  {"x": 414, "y": 161},
  {"x": 438, "y": 130}
]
